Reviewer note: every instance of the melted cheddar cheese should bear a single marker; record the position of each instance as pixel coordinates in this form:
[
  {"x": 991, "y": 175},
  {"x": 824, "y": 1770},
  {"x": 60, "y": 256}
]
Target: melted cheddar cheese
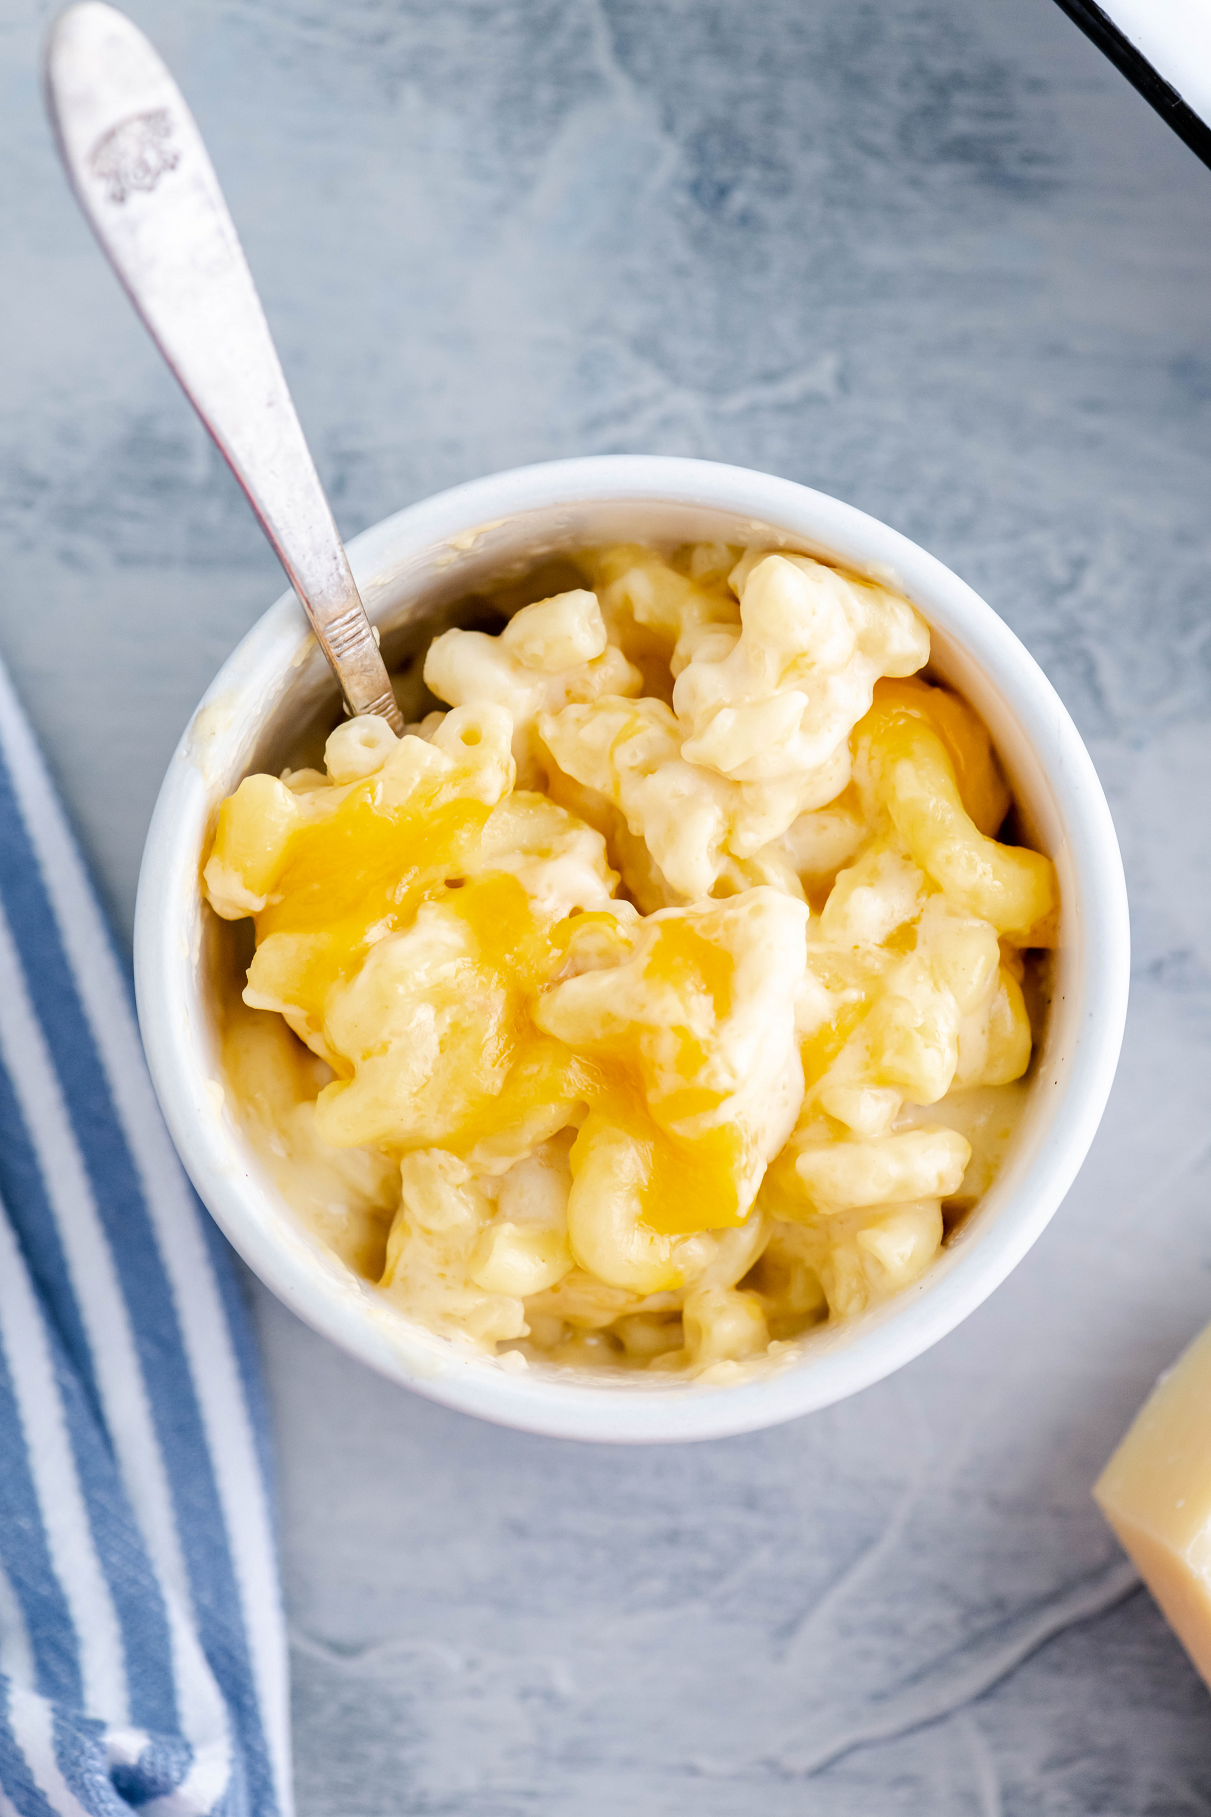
[{"x": 666, "y": 1138}]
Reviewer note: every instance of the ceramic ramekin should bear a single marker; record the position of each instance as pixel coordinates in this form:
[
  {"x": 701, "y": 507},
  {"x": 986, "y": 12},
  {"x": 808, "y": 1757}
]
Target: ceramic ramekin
[{"x": 413, "y": 571}]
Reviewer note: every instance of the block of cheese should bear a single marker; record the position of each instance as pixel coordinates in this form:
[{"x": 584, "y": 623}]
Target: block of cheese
[{"x": 1156, "y": 1494}]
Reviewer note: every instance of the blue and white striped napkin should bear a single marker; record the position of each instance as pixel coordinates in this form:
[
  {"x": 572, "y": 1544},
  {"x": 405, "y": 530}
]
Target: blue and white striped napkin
[{"x": 142, "y": 1650}]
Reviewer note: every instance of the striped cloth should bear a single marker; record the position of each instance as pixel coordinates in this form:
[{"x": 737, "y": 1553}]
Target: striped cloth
[{"x": 142, "y": 1653}]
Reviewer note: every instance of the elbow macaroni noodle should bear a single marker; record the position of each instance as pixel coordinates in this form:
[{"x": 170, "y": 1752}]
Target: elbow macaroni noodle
[{"x": 666, "y": 995}]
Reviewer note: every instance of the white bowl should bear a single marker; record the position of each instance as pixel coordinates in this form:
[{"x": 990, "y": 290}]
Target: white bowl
[{"x": 413, "y": 568}]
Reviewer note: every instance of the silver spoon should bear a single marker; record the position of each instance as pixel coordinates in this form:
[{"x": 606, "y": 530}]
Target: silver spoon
[{"x": 141, "y": 174}]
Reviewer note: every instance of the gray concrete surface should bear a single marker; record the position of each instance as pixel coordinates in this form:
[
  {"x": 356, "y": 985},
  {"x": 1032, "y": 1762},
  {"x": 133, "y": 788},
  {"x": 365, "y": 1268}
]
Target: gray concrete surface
[{"x": 932, "y": 256}]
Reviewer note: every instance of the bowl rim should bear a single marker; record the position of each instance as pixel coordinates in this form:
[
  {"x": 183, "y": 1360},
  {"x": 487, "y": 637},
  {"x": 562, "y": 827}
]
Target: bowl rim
[{"x": 535, "y": 1400}]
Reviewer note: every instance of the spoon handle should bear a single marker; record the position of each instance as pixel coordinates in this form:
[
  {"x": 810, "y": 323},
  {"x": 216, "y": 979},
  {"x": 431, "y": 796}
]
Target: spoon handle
[{"x": 141, "y": 174}]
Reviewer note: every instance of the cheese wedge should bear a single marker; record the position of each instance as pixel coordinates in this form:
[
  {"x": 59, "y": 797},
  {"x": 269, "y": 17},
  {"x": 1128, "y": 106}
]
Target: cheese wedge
[{"x": 1156, "y": 1494}]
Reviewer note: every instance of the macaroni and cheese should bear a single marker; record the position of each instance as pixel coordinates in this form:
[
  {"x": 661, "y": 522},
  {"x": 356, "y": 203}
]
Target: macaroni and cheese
[{"x": 664, "y": 992}]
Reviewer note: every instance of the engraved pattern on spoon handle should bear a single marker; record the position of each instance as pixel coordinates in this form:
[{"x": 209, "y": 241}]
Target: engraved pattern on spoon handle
[{"x": 143, "y": 178}]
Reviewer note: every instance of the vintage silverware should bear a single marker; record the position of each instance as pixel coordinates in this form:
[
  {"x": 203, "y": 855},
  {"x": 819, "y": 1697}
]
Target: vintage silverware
[{"x": 142, "y": 176}]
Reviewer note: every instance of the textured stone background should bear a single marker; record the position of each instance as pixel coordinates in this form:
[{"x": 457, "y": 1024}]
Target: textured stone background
[{"x": 932, "y": 256}]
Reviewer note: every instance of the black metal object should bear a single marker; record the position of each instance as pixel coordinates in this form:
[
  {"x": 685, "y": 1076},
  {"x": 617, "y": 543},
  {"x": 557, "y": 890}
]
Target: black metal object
[{"x": 1098, "y": 26}]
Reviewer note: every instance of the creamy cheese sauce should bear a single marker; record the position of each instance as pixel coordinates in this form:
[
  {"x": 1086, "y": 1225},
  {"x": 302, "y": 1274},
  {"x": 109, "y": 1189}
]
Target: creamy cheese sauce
[{"x": 662, "y": 998}]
